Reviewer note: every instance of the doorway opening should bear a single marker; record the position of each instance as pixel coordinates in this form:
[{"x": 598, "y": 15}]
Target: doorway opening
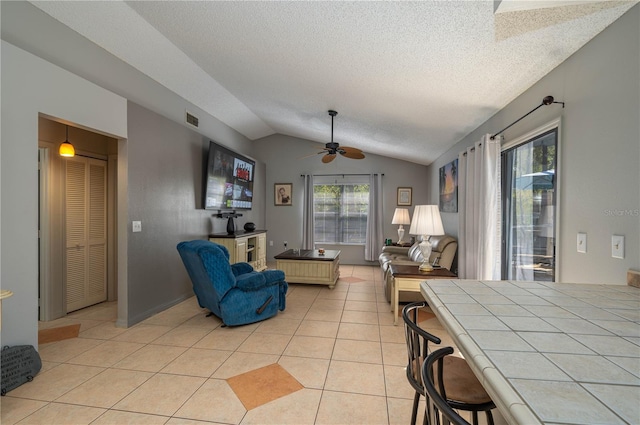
[{"x": 77, "y": 216}]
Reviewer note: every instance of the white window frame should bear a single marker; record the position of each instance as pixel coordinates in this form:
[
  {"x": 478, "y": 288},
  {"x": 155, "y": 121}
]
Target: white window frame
[
  {"x": 551, "y": 125},
  {"x": 342, "y": 179}
]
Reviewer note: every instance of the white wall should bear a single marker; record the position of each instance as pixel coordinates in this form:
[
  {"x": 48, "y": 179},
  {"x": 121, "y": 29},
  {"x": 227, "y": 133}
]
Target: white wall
[
  {"x": 31, "y": 86},
  {"x": 285, "y": 164},
  {"x": 599, "y": 170}
]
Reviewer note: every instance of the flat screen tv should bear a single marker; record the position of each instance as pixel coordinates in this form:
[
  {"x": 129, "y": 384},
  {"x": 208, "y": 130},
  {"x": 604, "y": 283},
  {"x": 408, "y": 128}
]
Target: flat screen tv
[{"x": 229, "y": 180}]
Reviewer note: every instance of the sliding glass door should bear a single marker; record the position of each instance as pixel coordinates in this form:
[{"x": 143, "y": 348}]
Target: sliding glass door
[{"x": 529, "y": 208}]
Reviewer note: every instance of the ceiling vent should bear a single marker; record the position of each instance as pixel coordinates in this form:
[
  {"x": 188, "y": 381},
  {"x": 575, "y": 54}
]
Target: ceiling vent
[{"x": 192, "y": 119}]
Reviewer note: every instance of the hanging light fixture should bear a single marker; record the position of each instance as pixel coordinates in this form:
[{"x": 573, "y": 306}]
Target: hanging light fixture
[{"x": 66, "y": 149}]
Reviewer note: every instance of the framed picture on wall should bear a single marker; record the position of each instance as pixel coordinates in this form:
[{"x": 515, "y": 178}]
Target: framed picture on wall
[
  {"x": 449, "y": 187},
  {"x": 282, "y": 193},
  {"x": 404, "y": 196}
]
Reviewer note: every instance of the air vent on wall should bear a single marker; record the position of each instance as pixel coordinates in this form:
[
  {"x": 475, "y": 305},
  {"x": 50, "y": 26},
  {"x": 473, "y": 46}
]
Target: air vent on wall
[{"x": 192, "y": 119}]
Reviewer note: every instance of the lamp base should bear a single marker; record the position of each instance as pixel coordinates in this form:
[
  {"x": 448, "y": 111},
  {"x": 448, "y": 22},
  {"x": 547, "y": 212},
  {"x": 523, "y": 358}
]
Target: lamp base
[
  {"x": 400, "y": 234},
  {"x": 425, "y": 250},
  {"x": 425, "y": 267}
]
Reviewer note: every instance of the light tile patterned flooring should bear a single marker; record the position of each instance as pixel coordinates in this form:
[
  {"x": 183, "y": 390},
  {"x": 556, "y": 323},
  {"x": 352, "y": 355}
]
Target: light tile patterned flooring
[{"x": 340, "y": 344}]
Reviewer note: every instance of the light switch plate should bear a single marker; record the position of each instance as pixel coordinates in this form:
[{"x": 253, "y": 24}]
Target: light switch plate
[
  {"x": 136, "y": 226},
  {"x": 582, "y": 243},
  {"x": 617, "y": 246}
]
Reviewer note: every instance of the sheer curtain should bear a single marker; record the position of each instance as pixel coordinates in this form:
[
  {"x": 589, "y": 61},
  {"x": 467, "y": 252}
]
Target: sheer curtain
[
  {"x": 523, "y": 219},
  {"x": 374, "y": 219},
  {"x": 307, "y": 213},
  {"x": 479, "y": 208}
]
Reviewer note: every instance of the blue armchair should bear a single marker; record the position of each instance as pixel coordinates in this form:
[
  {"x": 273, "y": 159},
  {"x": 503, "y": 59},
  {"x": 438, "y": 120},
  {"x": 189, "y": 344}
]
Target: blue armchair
[{"x": 236, "y": 293}]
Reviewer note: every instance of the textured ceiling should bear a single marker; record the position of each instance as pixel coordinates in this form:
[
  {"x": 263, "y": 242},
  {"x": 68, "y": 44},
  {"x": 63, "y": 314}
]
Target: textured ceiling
[{"x": 408, "y": 79}]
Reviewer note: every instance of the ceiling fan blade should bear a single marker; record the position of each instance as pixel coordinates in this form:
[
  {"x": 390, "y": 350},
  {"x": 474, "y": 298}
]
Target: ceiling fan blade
[
  {"x": 353, "y": 154},
  {"x": 350, "y": 149},
  {"x": 313, "y": 154},
  {"x": 328, "y": 158}
]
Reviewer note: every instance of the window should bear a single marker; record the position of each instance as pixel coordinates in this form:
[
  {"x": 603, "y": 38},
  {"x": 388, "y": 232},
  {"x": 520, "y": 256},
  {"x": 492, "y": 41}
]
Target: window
[
  {"x": 529, "y": 184},
  {"x": 340, "y": 211}
]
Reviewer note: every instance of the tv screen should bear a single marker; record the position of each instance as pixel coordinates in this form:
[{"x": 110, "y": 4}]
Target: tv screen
[{"x": 229, "y": 182}]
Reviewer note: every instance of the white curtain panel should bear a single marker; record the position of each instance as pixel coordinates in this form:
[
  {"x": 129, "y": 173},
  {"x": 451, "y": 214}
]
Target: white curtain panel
[
  {"x": 479, "y": 215},
  {"x": 307, "y": 214},
  {"x": 374, "y": 219}
]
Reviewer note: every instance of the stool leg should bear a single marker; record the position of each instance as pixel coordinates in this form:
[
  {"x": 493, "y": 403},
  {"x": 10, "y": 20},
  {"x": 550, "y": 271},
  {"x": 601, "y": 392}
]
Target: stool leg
[
  {"x": 414, "y": 413},
  {"x": 489, "y": 417},
  {"x": 474, "y": 415}
]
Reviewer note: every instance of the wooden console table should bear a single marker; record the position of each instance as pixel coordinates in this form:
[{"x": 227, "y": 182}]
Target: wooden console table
[
  {"x": 408, "y": 278},
  {"x": 247, "y": 247},
  {"x": 4, "y": 293},
  {"x": 309, "y": 266}
]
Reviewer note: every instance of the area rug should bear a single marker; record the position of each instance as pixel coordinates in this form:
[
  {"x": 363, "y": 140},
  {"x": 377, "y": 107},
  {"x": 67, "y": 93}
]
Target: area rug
[
  {"x": 58, "y": 334},
  {"x": 263, "y": 385},
  {"x": 351, "y": 279}
]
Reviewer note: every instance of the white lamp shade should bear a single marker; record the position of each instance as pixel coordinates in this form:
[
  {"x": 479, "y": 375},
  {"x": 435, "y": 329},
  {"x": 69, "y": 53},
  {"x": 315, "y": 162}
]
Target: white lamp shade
[
  {"x": 426, "y": 221},
  {"x": 401, "y": 216}
]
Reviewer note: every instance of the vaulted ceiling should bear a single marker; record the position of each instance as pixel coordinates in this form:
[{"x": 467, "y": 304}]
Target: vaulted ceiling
[{"x": 408, "y": 79}]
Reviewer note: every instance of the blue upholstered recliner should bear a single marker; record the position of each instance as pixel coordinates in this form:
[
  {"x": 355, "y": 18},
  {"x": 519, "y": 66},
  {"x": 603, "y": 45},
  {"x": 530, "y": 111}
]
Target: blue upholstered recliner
[{"x": 236, "y": 293}]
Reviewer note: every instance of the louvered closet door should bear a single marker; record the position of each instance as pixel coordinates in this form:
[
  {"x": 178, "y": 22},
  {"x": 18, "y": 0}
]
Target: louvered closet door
[{"x": 86, "y": 232}]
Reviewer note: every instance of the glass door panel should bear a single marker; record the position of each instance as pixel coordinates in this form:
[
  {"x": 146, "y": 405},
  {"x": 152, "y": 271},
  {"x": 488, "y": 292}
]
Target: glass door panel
[{"x": 529, "y": 201}]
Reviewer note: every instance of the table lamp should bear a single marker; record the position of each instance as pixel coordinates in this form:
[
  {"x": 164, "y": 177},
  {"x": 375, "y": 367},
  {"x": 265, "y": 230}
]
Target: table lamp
[
  {"x": 401, "y": 216},
  {"x": 426, "y": 222}
]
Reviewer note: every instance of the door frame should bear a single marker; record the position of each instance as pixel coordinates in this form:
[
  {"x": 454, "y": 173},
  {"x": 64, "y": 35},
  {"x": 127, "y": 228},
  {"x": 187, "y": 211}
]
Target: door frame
[
  {"x": 44, "y": 239},
  {"x": 52, "y": 291},
  {"x": 551, "y": 125}
]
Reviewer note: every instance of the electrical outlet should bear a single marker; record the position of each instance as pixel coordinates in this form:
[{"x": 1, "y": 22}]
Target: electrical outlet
[
  {"x": 617, "y": 246},
  {"x": 136, "y": 226},
  {"x": 582, "y": 242},
  {"x": 270, "y": 243}
]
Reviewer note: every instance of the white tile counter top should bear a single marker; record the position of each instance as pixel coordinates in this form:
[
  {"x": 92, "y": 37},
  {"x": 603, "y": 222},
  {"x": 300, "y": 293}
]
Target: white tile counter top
[{"x": 547, "y": 353}]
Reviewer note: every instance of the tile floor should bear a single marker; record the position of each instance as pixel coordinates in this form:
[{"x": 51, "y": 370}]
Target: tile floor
[{"x": 340, "y": 345}]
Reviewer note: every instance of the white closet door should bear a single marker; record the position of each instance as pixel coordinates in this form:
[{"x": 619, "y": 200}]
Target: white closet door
[{"x": 86, "y": 232}]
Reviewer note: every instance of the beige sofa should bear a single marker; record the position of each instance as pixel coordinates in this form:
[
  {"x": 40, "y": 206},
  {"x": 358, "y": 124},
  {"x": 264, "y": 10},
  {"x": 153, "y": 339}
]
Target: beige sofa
[{"x": 443, "y": 252}]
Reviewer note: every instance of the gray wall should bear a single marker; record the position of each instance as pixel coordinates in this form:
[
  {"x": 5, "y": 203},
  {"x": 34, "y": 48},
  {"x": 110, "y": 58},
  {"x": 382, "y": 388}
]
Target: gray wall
[
  {"x": 165, "y": 178},
  {"x": 599, "y": 170},
  {"x": 31, "y": 87},
  {"x": 36, "y": 86},
  {"x": 283, "y": 156},
  {"x": 29, "y": 28}
]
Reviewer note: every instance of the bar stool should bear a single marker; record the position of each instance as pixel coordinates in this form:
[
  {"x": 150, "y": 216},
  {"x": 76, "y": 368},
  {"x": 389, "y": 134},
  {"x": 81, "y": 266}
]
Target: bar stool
[
  {"x": 437, "y": 406},
  {"x": 464, "y": 391}
]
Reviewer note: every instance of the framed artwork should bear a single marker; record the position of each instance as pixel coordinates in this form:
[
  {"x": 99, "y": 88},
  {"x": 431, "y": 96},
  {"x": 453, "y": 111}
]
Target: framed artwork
[
  {"x": 282, "y": 194},
  {"x": 404, "y": 196},
  {"x": 449, "y": 187}
]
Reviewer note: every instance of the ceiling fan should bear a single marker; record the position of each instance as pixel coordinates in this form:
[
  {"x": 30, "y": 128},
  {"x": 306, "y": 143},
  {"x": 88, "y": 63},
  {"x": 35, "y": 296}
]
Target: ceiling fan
[{"x": 332, "y": 148}]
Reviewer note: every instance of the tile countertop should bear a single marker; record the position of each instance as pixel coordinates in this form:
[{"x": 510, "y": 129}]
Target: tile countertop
[{"x": 547, "y": 352}]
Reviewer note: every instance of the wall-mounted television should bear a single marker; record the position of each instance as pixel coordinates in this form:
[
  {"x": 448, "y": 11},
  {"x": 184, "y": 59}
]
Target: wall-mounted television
[{"x": 229, "y": 180}]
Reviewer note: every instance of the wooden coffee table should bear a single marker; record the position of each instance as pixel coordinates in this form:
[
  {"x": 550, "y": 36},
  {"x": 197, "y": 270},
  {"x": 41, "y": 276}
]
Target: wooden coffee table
[
  {"x": 309, "y": 266},
  {"x": 408, "y": 278}
]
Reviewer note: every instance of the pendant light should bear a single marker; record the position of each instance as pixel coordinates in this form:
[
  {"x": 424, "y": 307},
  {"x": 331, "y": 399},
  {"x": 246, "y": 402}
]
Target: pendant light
[{"x": 66, "y": 149}]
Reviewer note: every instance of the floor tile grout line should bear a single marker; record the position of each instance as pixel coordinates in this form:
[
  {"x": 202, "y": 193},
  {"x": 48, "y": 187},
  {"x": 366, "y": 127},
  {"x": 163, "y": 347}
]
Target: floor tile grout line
[{"x": 377, "y": 298}]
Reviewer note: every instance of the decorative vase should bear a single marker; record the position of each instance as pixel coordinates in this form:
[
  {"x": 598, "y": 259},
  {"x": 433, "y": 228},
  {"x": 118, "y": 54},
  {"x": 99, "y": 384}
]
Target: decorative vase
[
  {"x": 249, "y": 227},
  {"x": 231, "y": 227}
]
